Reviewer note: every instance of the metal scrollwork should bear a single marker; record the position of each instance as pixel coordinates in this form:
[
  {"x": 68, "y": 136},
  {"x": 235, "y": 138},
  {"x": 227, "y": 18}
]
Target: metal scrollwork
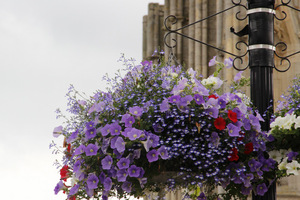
[
  {"x": 240, "y": 58},
  {"x": 282, "y": 58},
  {"x": 283, "y": 3},
  {"x": 172, "y": 43}
]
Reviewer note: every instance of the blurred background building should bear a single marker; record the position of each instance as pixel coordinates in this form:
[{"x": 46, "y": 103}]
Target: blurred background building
[{"x": 216, "y": 31}]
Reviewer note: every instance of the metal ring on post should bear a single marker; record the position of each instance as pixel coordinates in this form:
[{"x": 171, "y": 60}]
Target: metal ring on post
[
  {"x": 256, "y": 10},
  {"x": 261, "y": 46}
]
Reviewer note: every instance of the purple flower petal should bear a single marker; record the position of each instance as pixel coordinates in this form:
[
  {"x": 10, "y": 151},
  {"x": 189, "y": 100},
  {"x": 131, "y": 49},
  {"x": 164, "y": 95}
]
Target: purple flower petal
[
  {"x": 91, "y": 150},
  {"x": 123, "y": 163},
  {"x": 106, "y": 162},
  {"x": 92, "y": 181},
  {"x": 152, "y": 155}
]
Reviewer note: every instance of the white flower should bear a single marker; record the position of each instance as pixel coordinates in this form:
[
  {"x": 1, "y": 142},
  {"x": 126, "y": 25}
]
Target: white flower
[
  {"x": 215, "y": 82},
  {"x": 74, "y": 180},
  {"x": 282, "y": 165},
  {"x": 276, "y": 155},
  {"x": 284, "y": 152},
  {"x": 284, "y": 122},
  {"x": 292, "y": 168},
  {"x": 297, "y": 122}
]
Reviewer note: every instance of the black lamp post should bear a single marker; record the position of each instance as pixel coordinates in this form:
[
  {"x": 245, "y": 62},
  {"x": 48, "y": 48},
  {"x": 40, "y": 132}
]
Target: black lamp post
[{"x": 261, "y": 62}]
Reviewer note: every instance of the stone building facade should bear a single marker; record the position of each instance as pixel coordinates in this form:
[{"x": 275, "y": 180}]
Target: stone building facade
[{"x": 216, "y": 31}]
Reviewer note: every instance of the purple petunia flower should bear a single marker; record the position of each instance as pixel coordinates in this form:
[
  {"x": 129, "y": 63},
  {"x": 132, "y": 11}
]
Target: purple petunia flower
[
  {"x": 201, "y": 90},
  {"x": 292, "y": 155},
  {"x": 254, "y": 165},
  {"x": 91, "y": 150},
  {"x": 134, "y": 171},
  {"x": 90, "y": 125},
  {"x": 268, "y": 164},
  {"x": 228, "y": 62},
  {"x": 90, "y": 133},
  {"x": 72, "y": 137},
  {"x": 247, "y": 179},
  {"x": 201, "y": 196},
  {"x": 246, "y": 190},
  {"x": 163, "y": 152},
  {"x": 106, "y": 162},
  {"x": 105, "y": 144},
  {"x": 247, "y": 124},
  {"x": 152, "y": 155},
  {"x": 126, "y": 131},
  {"x": 113, "y": 142},
  {"x": 120, "y": 145},
  {"x": 92, "y": 181},
  {"x": 233, "y": 130},
  {"x": 134, "y": 134},
  {"x": 122, "y": 175},
  {"x": 136, "y": 111},
  {"x": 123, "y": 163},
  {"x": 126, "y": 186},
  {"x": 174, "y": 99},
  {"x": 255, "y": 122},
  {"x": 106, "y": 130},
  {"x": 115, "y": 129},
  {"x": 238, "y": 76},
  {"x": 222, "y": 102},
  {"x": 164, "y": 106},
  {"x": 102, "y": 177},
  {"x": 153, "y": 139},
  {"x": 213, "y": 112},
  {"x": 73, "y": 190},
  {"x": 212, "y": 62},
  {"x": 79, "y": 150},
  {"x": 99, "y": 107},
  {"x": 237, "y": 178},
  {"x": 239, "y": 114},
  {"x": 58, "y": 187},
  {"x": 198, "y": 99},
  {"x": 184, "y": 101},
  {"x": 259, "y": 116},
  {"x": 107, "y": 184},
  {"x": 177, "y": 89},
  {"x": 128, "y": 120},
  {"x": 261, "y": 189},
  {"x": 158, "y": 128},
  {"x": 77, "y": 166},
  {"x": 57, "y": 131}
]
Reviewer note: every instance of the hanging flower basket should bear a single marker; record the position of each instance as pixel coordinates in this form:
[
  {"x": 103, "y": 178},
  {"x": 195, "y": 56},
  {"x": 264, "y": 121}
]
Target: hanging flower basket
[
  {"x": 161, "y": 127},
  {"x": 285, "y": 129}
]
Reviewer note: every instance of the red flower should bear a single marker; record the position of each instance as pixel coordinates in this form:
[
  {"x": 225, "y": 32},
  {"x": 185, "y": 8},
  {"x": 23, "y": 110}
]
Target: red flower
[
  {"x": 232, "y": 116},
  {"x": 69, "y": 148},
  {"x": 72, "y": 198},
  {"x": 220, "y": 123},
  {"x": 233, "y": 156},
  {"x": 213, "y": 96},
  {"x": 64, "y": 173},
  {"x": 248, "y": 148}
]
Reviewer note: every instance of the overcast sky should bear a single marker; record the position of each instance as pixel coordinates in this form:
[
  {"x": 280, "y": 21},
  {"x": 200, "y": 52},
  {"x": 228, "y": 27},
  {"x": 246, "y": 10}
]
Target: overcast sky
[{"x": 46, "y": 45}]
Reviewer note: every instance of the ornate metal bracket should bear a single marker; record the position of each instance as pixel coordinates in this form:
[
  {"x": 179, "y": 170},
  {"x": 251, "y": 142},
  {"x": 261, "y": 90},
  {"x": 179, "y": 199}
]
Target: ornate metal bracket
[
  {"x": 283, "y": 44},
  {"x": 245, "y": 31},
  {"x": 173, "y": 19}
]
